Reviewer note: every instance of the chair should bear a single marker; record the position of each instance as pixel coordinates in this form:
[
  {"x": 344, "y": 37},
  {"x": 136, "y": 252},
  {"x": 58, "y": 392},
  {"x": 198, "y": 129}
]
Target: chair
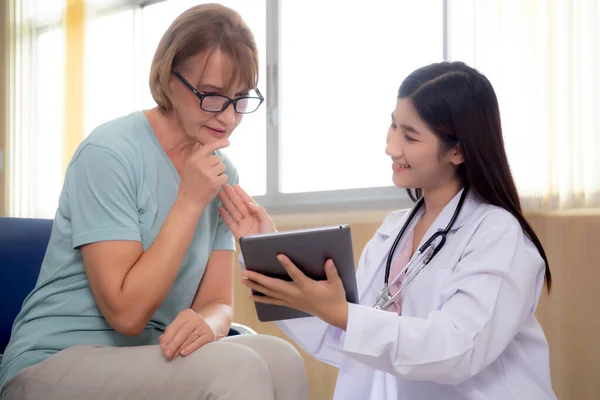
[{"x": 23, "y": 243}]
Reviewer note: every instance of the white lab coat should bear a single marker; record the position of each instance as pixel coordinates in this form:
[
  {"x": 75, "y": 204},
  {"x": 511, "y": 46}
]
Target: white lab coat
[{"x": 467, "y": 328}]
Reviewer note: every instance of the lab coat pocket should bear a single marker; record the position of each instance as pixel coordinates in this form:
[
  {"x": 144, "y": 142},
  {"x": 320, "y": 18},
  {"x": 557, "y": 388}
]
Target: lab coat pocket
[{"x": 424, "y": 293}]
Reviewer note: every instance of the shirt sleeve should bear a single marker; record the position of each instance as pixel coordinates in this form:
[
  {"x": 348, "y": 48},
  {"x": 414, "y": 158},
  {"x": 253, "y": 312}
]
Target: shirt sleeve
[{"x": 101, "y": 191}]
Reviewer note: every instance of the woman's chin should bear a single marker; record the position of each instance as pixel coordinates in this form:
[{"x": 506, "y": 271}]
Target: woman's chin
[
  {"x": 204, "y": 138},
  {"x": 401, "y": 183}
]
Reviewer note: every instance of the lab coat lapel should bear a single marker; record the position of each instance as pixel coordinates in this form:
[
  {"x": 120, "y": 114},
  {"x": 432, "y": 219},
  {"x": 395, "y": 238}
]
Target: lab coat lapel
[
  {"x": 377, "y": 255},
  {"x": 376, "y": 263}
]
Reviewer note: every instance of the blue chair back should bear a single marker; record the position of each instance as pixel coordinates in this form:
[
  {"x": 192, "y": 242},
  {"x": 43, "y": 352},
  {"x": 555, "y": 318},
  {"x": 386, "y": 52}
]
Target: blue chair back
[{"x": 23, "y": 243}]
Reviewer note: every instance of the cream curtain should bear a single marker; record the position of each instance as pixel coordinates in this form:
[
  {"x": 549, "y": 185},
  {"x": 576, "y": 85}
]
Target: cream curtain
[
  {"x": 74, "y": 113},
  {"x": 34, "y": 169},
  {"x": 3, "y": 106},
  {"x": 18, "y": 107},
  {"x": 543, "y": 58}
]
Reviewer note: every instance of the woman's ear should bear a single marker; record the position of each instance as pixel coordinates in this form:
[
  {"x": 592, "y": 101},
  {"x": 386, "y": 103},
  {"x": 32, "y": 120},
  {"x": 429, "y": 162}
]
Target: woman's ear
[{"x": 457, "y": 157}]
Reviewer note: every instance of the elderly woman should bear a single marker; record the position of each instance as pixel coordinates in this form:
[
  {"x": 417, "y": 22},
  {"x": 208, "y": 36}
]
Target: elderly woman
[{"x": 135, "y": 294}]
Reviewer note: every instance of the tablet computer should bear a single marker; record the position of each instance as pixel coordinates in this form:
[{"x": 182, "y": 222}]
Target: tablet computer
[{"x": 308, "y": 249}]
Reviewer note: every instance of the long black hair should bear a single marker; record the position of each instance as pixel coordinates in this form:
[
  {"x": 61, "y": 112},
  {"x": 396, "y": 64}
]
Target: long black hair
[{"x": 459, "y": 105}]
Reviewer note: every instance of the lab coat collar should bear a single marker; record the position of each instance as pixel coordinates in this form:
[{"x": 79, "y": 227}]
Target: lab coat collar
[{"x": 392, "y": 226}]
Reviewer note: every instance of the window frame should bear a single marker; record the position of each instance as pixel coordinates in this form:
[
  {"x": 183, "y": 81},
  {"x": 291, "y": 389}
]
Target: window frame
[{"x": 363, "y": 199}]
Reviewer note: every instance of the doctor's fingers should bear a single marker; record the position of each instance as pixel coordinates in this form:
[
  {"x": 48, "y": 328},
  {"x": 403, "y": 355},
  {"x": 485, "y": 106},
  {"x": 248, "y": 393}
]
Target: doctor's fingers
[
  {"x": 332, "y": 273},
  {"x": 294, "y": 272},
  {"x": 264, "y": 290},
  {"x": 275, "y": 284},
  {"x": 268, "y": 300}
]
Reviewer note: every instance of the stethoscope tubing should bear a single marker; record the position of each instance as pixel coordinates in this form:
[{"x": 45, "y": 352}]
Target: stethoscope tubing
[{"x": 429, "y": 244}]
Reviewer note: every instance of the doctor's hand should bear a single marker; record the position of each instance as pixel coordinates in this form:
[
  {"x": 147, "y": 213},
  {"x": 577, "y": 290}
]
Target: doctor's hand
[
  {"x": 187, "y": 333},
  {"x": 323, "y": 299},
  {"x": 241, "y": 213}
]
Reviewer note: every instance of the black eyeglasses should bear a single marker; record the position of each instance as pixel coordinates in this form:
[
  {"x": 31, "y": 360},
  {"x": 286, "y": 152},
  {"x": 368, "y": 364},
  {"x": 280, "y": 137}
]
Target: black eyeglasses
[{"x": 216, "y": 103}]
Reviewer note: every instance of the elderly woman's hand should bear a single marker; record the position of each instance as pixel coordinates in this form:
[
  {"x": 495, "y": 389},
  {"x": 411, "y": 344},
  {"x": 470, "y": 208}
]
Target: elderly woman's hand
[
  {"x": 241, "y": 213},
  {"x": 187, "y": 333}
]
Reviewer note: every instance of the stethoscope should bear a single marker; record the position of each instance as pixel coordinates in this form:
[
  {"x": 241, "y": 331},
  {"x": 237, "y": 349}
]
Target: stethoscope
[{"x": 429, "y": 249}]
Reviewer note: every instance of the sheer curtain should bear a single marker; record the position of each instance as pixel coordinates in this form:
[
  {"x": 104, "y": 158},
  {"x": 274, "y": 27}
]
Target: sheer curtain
[
  {"x": 3, "y": 105},
  {"x": 18, "y": 104},
  {"x": 543, "y": 58},
  {"x": 44, "y": 100}
]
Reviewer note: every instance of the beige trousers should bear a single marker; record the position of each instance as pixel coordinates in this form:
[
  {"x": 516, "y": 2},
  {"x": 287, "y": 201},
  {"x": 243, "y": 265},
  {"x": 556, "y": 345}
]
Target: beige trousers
[{"x": 246, "y": 367}]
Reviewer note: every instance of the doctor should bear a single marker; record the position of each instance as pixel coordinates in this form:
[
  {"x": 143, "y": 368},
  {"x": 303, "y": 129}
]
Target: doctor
[{"x": 464, "y": 326}]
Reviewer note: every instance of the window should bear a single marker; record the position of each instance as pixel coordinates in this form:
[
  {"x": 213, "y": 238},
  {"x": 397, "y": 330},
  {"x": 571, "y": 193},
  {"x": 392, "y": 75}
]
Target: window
[
  {"x": 45, "y": 12},
  {"x": 109, "y": 68},
  {"x": 337, "y": 87},
  {"x": 317, "y": 142},
  {"x": 329, "y": 71},
  {"x": 48, "y": 100}
]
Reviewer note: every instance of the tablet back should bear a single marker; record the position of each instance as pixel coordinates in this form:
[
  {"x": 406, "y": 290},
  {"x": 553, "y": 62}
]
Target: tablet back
[{"x": 308, "y": 249}]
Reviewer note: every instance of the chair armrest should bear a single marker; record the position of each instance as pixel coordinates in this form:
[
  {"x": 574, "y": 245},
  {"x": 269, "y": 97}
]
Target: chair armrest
[{"x": 239, "y": 329}]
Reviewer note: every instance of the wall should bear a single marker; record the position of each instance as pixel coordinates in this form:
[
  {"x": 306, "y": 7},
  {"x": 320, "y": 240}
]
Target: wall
[{"x": 570, "y": 316}]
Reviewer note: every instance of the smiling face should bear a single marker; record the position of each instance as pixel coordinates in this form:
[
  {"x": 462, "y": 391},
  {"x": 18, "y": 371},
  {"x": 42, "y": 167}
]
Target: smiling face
[
  {"x": 418, "y": 160},
  {"x": 209, "y": 73}
]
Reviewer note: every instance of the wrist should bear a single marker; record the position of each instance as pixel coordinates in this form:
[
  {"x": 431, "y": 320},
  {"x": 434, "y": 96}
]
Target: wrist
[
  {"x": 217, "y": 323},
  {"x": 210, "y": 325},
  {"x": 339, "y": 317},
  {"x": 189, "y": 206}
]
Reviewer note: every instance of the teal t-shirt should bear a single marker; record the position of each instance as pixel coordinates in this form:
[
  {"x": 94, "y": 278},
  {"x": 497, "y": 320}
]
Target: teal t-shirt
[{"x": 120, "y": 185}]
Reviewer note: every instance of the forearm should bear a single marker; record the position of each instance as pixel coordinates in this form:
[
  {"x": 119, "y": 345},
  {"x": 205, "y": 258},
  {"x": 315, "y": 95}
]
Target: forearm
[
  {"x": 148, "y": 282},
  {"x": 218, "y": 316}
]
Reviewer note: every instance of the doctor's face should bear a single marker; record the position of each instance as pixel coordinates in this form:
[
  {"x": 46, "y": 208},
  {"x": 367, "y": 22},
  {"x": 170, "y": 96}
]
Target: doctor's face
[{"x": 418, "y": 160}]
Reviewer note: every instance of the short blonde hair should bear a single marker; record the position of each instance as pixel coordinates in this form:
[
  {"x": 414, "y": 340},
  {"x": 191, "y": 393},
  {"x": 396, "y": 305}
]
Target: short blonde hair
[{"x": 203, "y": 28}]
